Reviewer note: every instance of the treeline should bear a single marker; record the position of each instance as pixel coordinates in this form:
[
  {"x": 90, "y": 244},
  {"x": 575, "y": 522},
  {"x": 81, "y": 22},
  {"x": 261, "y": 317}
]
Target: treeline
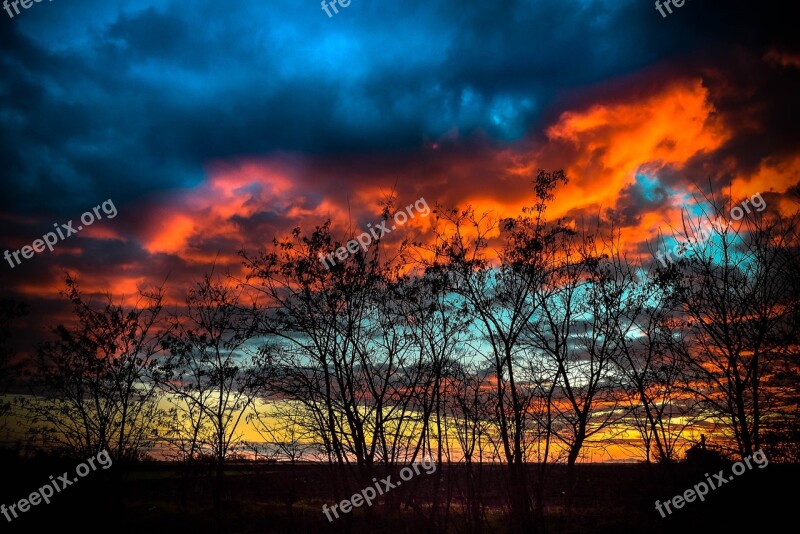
[{"x": 523, "y": 341}]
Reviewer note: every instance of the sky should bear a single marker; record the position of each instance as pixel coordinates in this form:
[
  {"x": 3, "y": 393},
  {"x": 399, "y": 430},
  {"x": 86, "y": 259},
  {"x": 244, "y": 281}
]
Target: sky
[{"x": 216, "y": 126}]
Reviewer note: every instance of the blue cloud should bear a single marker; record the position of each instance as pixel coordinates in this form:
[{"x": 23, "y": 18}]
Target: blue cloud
[{"x": 105, "y": 98}]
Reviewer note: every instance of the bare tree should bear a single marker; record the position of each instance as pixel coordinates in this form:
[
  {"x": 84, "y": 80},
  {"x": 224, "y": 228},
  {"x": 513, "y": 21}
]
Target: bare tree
[
  {"x": 653, "y": 377},
  {"x": 208, "y": 367},
  {"x": 92, "y": 386},
  {"x": 500, "y": 296},
  {"x": 285, "y": 432},
  {"x": 437, "y": 327},
  {"x": 334, "y": 348},
  {"x": 187, "y": 432},
  {"x": 469, "y": 408},
  {"x": 581, "y": 322},
  {"x": 738, "y": 291}
]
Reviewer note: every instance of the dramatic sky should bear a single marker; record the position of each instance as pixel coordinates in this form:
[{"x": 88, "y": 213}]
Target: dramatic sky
[{"x": 213, "y": 126}]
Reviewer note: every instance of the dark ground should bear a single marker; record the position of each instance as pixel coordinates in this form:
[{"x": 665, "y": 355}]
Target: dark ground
[{"x": 608, "y": 498}]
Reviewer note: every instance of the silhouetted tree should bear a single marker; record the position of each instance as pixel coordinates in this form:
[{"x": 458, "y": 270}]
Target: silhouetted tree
[
  {"x": 738, "y": 291},
  {"x": 92, "y": 383},
  {"x": 209, "y": 366},
  {"x": 500, "y": 296}
]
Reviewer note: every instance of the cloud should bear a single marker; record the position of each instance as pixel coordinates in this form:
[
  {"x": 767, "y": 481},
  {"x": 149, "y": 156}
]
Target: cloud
[{"x": 220, "y": 126}]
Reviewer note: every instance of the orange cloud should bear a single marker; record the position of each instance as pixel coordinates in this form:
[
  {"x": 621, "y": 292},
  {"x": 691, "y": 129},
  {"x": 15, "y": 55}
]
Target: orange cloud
[
  {"x": 602, "y": 147},
  {"x": 613, "y": 141},
  {"x": 172, "y": 235}
]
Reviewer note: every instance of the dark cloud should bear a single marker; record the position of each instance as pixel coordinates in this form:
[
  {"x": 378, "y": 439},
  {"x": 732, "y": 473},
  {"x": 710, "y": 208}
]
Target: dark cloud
[{"x": 130, "y": 99}]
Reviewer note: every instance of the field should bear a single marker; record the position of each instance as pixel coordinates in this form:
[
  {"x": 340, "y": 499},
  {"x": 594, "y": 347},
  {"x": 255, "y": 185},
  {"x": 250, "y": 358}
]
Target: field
[{"x": 279, "y": 498}]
